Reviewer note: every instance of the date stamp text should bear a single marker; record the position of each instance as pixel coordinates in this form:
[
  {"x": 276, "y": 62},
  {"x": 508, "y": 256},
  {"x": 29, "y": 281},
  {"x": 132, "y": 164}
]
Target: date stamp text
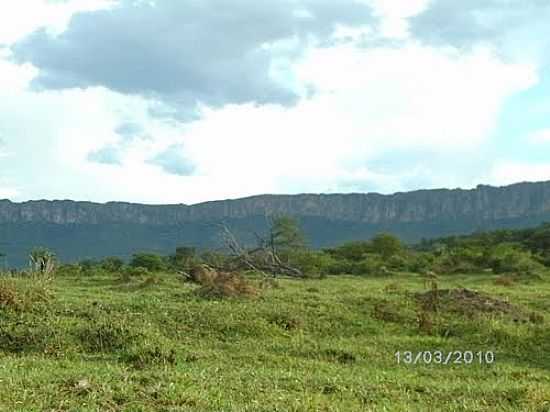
[{"x": 456, "y": 357}]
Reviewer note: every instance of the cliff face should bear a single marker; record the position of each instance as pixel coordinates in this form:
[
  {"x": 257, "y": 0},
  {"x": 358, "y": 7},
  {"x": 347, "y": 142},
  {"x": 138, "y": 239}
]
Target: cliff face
[
  {"x": 485, "y": 203},
  {"x": 78, "y": 230}
]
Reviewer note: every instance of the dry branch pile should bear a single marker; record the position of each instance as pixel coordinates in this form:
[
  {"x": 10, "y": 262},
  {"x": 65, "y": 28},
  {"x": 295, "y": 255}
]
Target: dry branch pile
[
  {"x": 264, "y": 258},
  {"x": 221, "y": 284}
]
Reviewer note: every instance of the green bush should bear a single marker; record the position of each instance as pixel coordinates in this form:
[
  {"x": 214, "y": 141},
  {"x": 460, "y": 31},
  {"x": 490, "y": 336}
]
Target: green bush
[
  {"x": 88, "y": 267},
  {"x": 351, "y": 251},
  {"x": 69, "y": 270},
  {"x": 112, "y": 264},
  {"x": 149, "y": 261},
  {"x": 107, "y": 336},
  {"x": 311, "y": 263},
  {"x": 460, "y": 259},
  {"x": 386, "y": 245},
  {"x": 420, "y": 262},
  {"x": 409, "y": 262},
  {"x": 371, "y": 265},
  {"x": 506, "y": 258}
]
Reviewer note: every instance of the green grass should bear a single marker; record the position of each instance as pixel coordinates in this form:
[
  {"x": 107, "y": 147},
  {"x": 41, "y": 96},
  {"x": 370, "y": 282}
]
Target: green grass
[{"x": 98, "y": 344}]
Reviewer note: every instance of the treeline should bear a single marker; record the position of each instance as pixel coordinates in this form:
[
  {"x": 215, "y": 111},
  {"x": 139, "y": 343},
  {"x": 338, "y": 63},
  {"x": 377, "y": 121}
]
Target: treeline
[{"x": 283, "y": 250}]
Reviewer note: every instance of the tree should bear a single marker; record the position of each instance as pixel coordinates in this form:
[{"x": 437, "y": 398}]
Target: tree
[
  {"x": 271, "y": 256},
  {"x": 539, "y": 239},
  {"x": 386, "y": 245},
  {"x": 286, "y": 234}
]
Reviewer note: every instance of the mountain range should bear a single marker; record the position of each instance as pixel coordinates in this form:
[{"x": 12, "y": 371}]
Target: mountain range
[{"x": 77, "y": 230}]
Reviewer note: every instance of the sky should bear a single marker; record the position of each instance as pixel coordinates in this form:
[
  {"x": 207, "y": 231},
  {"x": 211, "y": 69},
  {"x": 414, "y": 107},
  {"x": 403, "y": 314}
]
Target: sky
[{"x": 158, "y": 101}]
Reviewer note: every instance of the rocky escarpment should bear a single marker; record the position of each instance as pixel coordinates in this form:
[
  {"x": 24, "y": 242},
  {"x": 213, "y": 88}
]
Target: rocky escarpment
[
  {"x": 484, "y": 203},
  {"x": 78, "y": 230}
]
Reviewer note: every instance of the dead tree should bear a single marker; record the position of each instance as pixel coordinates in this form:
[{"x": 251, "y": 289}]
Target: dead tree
[{"x": 264, "y": 258}]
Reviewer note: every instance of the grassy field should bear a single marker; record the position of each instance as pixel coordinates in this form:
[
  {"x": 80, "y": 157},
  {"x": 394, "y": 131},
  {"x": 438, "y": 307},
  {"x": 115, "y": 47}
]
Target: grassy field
[{"x": 154, "y": 344}]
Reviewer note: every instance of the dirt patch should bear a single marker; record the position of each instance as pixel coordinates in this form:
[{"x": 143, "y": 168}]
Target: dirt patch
[{"x": 468, "y": 302}]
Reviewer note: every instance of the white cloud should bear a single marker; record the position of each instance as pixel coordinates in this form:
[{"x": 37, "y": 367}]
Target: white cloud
[
  {"x": 416, "y": 95},
  {"x": 22, "y": 17},
  {"x": 370, "y": 103},
  {"x": 394, "y": 15},
  {"x": 8, "y": 193},
  {"x": 508, "y": 172},
  {"x": 540, "y": 136}
]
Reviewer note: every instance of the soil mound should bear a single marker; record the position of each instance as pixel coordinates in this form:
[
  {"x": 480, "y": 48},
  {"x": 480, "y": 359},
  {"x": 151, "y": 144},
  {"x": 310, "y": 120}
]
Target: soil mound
[{"x": 468, "y": 302}]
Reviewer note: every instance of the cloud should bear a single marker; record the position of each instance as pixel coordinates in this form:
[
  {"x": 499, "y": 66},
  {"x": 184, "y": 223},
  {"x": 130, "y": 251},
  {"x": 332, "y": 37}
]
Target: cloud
[
  {"x": 540, "y": 136},
  {"x": 371, "y": 106},
  {"x": 3, "y": 152},
  {"x": 180, "y": 120},
  {"x": 129, "y": 130},
  {"x": 508, "y": 172},
  {"x": 23, "y": 17},
  {"x": 8, "y": 193},
  {"x": 517, "y": 29},
  {"x": 209, "y": 52},
  {"x": 395, "y": 15},
  {"x": 174, "y": 161},
  {"x": 109, "y": 155}
]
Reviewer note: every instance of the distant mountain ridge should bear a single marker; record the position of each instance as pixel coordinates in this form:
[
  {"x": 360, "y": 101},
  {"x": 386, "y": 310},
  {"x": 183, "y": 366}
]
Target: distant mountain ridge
[
  {"x": 482, "y": 203},
  {"x": 86, "y": 229}
]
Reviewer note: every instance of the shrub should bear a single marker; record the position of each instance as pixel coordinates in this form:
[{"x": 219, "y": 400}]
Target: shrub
[
  {"x": 409, "y": 262},
  {"x": 69, "y": 270},
  {"x": 386, "y": 245},
  {"x": 106, "y": 336},
  {"x": 28, "y": 337},
  {"x": 112, "y": 264},
  {"x": 149, "y": 261},
  {"x": 89, "y": 267},
  {"x": 22, "y": 295},
  {"x": 225, "y": 285},
  {"x": 371, "y": 265},
  {"x": 351, "y": 251},
  {"x": 506, "y": 258},
  {"x": 459, "y": 260},
  {"x": 420, "y": 262},
  {"x": 9, "y": 296},
  {"x": 311, "y": 263},
  {"x": 43, "y": 263}
]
